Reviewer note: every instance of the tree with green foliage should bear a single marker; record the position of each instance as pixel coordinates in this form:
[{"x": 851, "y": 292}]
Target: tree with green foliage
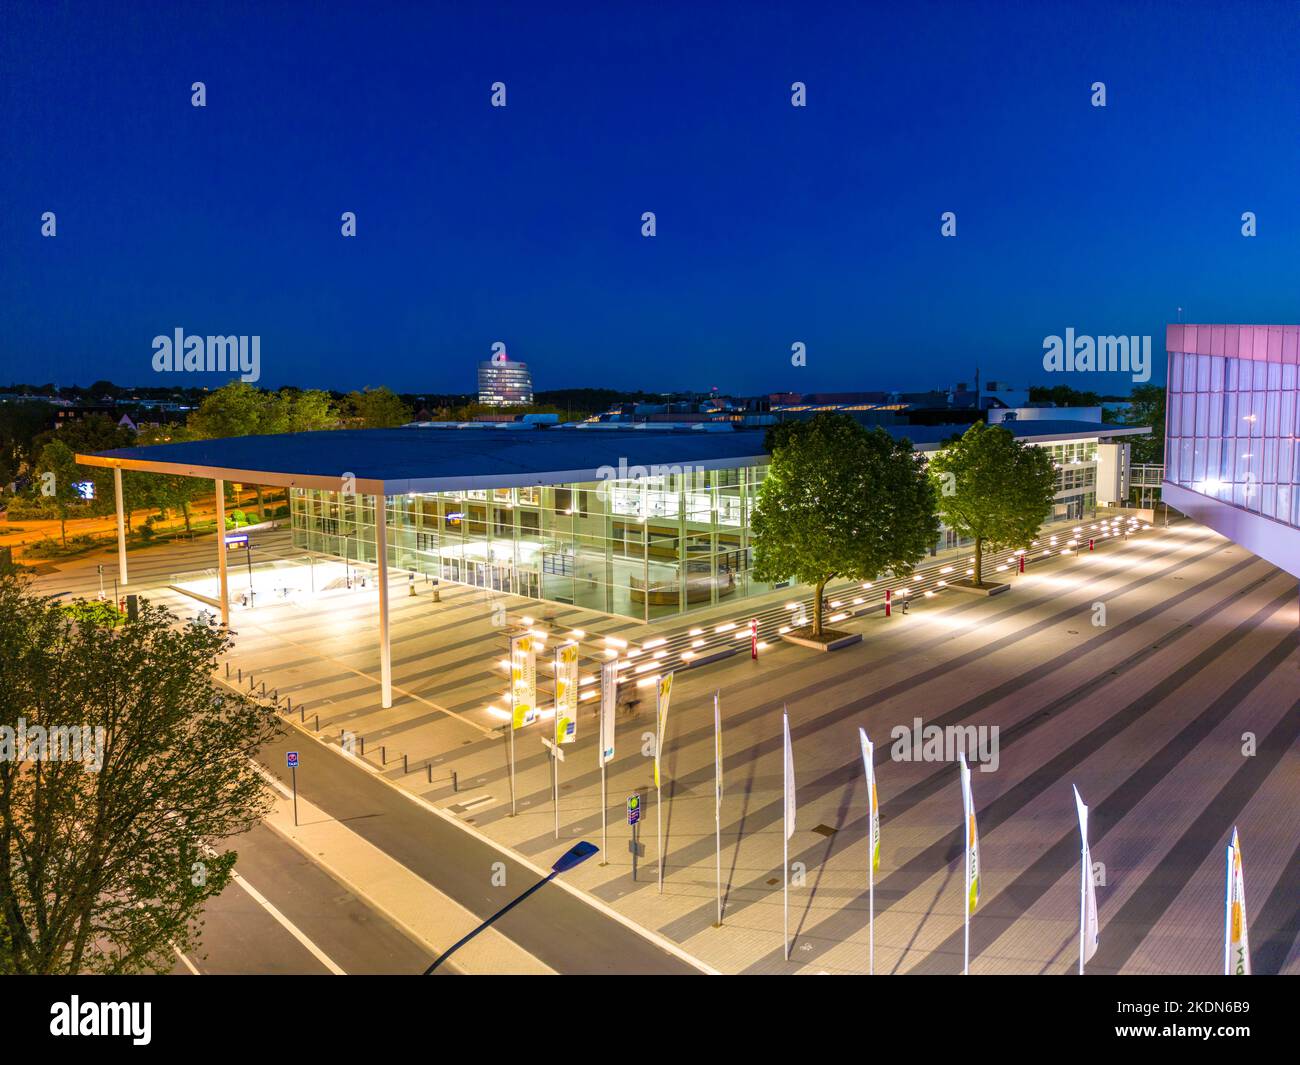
[
  {"x": 993, "y": 489},
  {"x": 107, "y": 859},
  {"x": 57, "y": 473},
  {"x": 240, "y": 409},
  {"x": 1147, "y": 408},
  {"x": 840, "y": 501},
  {"x": 376, "y": 408}
]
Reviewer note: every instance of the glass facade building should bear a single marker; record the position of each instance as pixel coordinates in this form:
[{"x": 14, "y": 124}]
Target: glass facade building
[
  {"x": 643, "y": 547},
  {"x": 502, "y": 383},
  {"x": 1232, "y": 421}
]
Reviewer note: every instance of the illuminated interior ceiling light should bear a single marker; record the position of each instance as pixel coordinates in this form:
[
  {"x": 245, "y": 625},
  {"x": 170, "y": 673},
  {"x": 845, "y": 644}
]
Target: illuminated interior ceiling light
[
  {"x": 610, "y": 652},
  {"x": 504, "y": 664},
  {"x": 943, "y": 584},
  {"x": 659, "y": 654},
  {"x": 687, "y": 655},
  {"x": 792, "y": 606},
  {"x": 725, "y": 627},
  {"x": 866, "y": 584},
  {"x": 917, "y": 577},
  {"x": 1067, "y": 551},
  {"x": 578, "y": 634},
  {"x": 497, "y": 712},
  {"x": 656, "y": 642},
  {"x": 697, "y": 643},
  {"x": 1002, "y": 567},
  {"x": 584, "y": 681},
  {"x": 526, "y": 621},
  {"x": 646, "y": 682},
  {"x": 1044, "y": 554},
  {"x": 634, "y": 652},
  {"x": 614, "y": 641},
  {"x": 645, "y": 667},
  {"x": 694, "y": 632},
  {"x": 742, "y": 635},
  {"x": 929, "y": 595},
  {"x": 762, "y": 645},
  {"x": 783, "y": 630},
  {"x": 946, "y": 569},
  {"x": 539, "y": 633},
  {"x": 970, "y": 572},
  {"x": 858, "y": 601},
  {"x": 840, "y": 616},
  {"x": 588, "y": 695}
]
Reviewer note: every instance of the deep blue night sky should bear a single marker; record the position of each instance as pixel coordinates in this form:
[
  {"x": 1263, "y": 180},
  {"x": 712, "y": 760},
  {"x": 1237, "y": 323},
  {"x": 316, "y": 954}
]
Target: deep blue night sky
[{"x": 522, "y": 224}]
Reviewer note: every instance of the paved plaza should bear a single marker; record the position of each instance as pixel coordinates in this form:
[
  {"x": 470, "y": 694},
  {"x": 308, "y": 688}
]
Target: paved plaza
[{"x": 1158, "y": 674}]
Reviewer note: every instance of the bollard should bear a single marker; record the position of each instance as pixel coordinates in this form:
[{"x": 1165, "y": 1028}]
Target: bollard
[
  {"x": 383, "y": 754},
  {"x": 405, "y": 767},
  {"x": 302, "y": 714},
  {"x": 288, "y": 702},
  {"x": 318, "y": 722},
  {"x": 889, "y": 601},
  {"x": 227, "y": 669},
  {"x": 428, "y": 770},
  {"x": 263, "y": 689},
  {"x": 363, "y": 746},
  {"x": 241, "y": 674},
  {"x": 455, "y": 783}
]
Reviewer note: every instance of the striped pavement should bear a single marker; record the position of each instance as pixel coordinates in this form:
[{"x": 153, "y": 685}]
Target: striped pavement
[{"x": 1148, "y": 714}]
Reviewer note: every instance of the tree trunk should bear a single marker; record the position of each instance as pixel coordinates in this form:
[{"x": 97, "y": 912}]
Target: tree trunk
[
  {"x": 817, "y": 609},
  {"x": 185, "y": 509},
  {"x": 63, "y": 529},
  {"x": 979, "y": 562}
]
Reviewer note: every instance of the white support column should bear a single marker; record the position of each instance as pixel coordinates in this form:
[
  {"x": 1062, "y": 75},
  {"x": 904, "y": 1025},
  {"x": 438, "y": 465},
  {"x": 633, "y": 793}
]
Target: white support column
[
  {"x": 224, "y": 593},
  {"x": 121, "y": 525},
  {"x": 381, "y": 554}
]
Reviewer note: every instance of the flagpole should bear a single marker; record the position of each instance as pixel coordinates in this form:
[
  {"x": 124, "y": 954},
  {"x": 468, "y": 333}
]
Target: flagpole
[
  {"x": 511, "y": 729},
  {"x": 659, "y": 798},
  {"x": 717, "y": 797},
  {"x": 1083, "y": 897},
  {"x": 1227, "y": 914},
  {"x": 965, "y": 903},
  {"x": 785, "y": 842},
  {"x": 871, "y": 887},
  {"x": 604, "y": 843}
]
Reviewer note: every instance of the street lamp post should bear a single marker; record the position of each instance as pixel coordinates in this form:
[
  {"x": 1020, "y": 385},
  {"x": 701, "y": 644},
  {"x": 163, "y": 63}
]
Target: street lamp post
[{"x": 575, "y": 855}]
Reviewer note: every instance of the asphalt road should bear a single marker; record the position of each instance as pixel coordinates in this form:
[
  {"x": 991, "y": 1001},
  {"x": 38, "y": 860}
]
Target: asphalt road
[
  {"x": 564, "y": 932},
  {"x": 242, "y": 936}
]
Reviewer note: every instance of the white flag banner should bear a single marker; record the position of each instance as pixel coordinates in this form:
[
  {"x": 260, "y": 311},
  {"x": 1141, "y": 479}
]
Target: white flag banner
[
  {"x": 873, "y": 802},
  {"x": 663, "y": 694},
  {"x": 788, "y": 776},
  {"x": 523, "y": 680},
  {"x": 566, "y": 693},
  {"x": 1236, "y": 951},
  {"x": 972, "y": 839},
  {"x": 1091, "y": 933},
  {"x": 608, "y": 702}
]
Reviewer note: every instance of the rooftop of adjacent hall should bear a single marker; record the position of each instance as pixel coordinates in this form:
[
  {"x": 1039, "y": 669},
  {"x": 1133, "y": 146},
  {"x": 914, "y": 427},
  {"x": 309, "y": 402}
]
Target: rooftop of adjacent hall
[{"x": 422, "y": 458}]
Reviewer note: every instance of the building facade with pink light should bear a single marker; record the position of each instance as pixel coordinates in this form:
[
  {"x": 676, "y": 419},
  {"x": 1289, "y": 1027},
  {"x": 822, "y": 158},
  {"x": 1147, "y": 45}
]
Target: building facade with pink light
[{"x": 1232, "y": 420}]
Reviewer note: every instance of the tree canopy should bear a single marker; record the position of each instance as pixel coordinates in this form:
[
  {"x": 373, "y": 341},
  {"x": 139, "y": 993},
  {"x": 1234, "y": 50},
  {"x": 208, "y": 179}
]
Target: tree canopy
[
  {"x": 993, "y": 489},
  {"x": 106, "y": 859},
  {"x": 840, "y": 501}
]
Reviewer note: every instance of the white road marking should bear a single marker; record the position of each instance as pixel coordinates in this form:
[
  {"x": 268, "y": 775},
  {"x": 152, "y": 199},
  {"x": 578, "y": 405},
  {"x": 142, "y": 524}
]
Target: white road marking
[
  {"x": 289, "y": 926},
  {"x": 188, "y": 964}
]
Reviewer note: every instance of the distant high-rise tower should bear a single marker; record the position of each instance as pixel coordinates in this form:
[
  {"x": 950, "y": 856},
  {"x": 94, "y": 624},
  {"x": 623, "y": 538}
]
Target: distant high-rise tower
[{"x": 502, "y": 383}]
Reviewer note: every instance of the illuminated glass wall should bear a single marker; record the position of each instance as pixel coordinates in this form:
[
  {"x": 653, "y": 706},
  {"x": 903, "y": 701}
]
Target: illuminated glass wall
[
  {"x": 1232, "y": 420},
  {"x": 643, "y": 548}
]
